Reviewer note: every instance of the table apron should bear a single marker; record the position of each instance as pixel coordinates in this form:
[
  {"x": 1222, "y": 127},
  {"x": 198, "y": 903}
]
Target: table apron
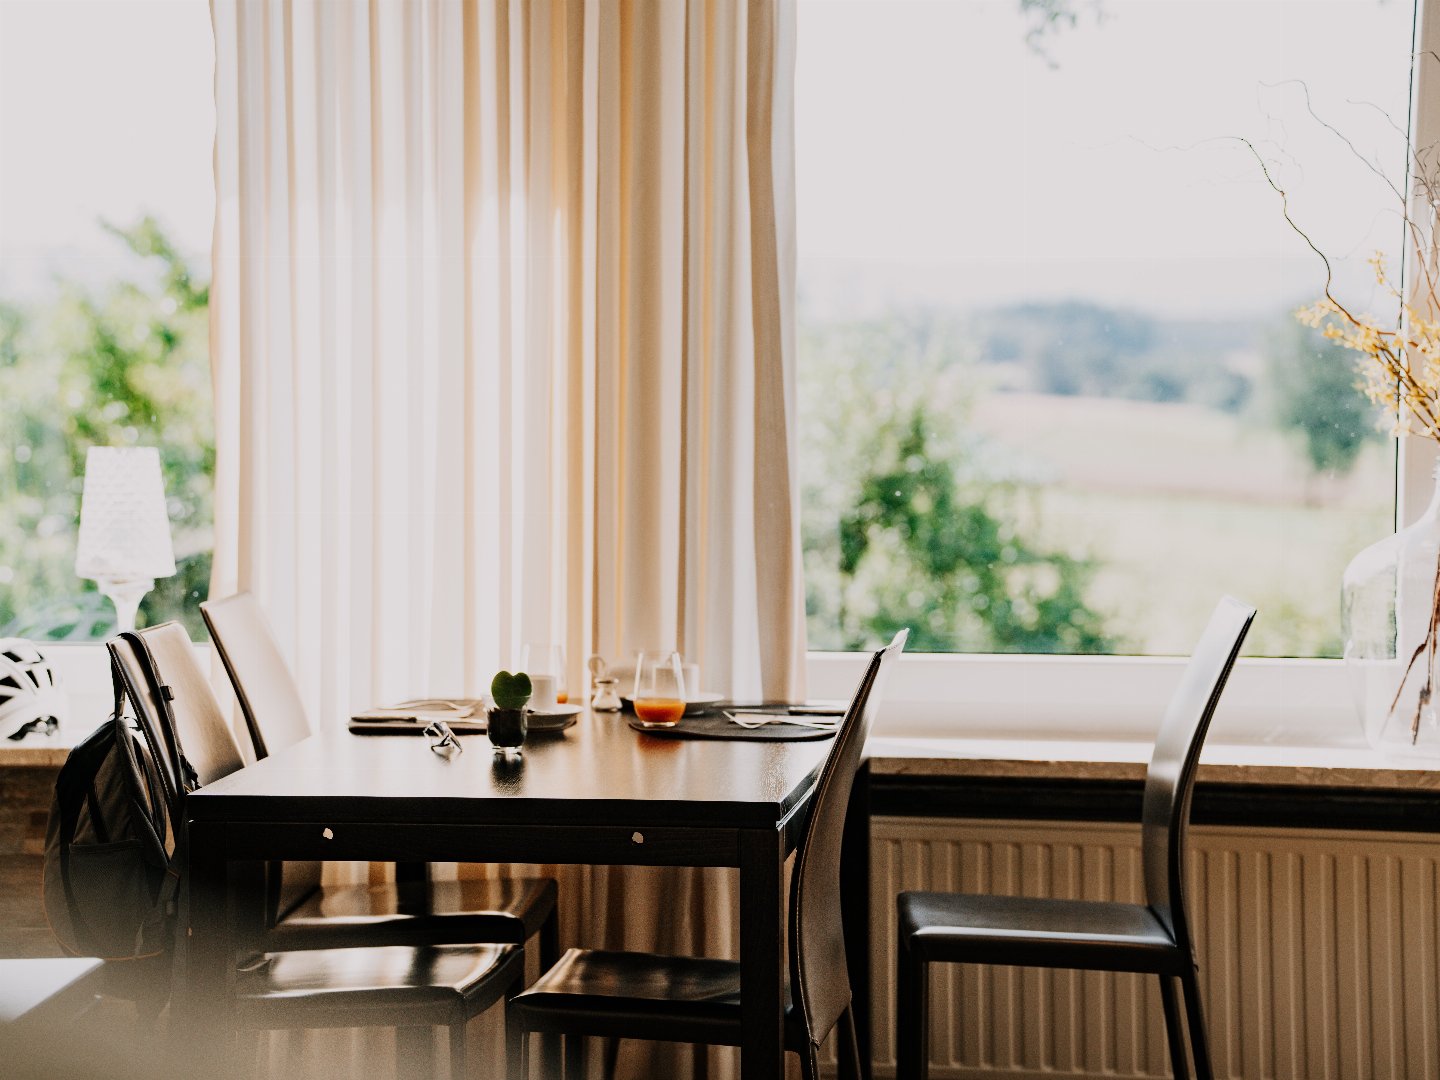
[{"x": 611, "y": 845}]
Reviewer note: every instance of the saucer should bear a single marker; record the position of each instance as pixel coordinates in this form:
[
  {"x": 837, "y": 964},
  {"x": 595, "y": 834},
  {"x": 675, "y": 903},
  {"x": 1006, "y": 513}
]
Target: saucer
[{"x": 553, "y": 718}]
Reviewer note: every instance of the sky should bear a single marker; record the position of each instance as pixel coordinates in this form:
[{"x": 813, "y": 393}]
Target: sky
[
  {"x": 940, "y": 158},
  {"x": 106, "y": 111}
]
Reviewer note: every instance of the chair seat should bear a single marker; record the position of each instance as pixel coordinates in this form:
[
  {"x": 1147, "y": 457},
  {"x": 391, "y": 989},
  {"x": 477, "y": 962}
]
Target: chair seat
[
  {"x": 431, "y": 985},
  {"x": 417, "y": 913},
  {"x": 1024, "y": 932},
  {"x": 639, "y": 995}
]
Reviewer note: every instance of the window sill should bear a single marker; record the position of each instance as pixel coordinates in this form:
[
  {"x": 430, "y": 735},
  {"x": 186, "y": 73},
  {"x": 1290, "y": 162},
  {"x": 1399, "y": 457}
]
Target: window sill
[
  {"x": 1069, "y": 708},
  {"x": 1282, "y": 703},
  {"x": 1044, "y": 760}
]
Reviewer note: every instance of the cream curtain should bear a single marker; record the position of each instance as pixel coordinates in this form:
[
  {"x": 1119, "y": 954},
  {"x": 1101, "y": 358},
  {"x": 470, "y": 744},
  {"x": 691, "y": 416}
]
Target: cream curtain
[{"x": 503, "y": 347}]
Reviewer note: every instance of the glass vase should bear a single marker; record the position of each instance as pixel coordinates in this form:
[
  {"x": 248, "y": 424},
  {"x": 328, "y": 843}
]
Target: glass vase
[{"x": 1389, "y": 609}]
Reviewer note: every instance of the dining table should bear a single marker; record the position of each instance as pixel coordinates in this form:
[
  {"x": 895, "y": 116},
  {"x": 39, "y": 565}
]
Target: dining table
[{"x": 599, "y": 793}]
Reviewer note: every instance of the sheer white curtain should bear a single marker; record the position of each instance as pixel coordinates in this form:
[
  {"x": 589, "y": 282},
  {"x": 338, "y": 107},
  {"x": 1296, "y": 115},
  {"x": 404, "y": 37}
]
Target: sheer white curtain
[{"x": 503, "y": 346}]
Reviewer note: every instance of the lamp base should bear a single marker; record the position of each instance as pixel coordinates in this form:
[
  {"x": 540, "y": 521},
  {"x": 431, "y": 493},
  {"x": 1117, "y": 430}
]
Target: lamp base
[{"x": 126, "y": 595}]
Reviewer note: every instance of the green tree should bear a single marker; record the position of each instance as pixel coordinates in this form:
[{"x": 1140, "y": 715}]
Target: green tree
[
  {"x": 124, "y": 365},
  {"x": 908, "y": 520},
  {"x": 1315, "y": 394}
]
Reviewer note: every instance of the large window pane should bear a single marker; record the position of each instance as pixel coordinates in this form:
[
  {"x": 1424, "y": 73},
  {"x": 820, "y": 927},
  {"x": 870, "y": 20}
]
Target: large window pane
[
  {"x": 106, "y": 203},
  {"x": 1053, "y": 395}
]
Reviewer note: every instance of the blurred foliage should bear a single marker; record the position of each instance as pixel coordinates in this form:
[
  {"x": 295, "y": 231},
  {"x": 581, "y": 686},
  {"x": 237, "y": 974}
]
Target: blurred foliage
[
  {"x": 126, "y": 365},
  {"x": 1045, "y": 20},
  {"x": 907, "y": 522},
  {"x": 1079, "y": 349},
  {"x": 1315, "y": 393}
]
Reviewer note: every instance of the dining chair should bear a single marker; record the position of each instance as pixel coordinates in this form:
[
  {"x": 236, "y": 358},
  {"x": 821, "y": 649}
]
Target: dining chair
[
  {"x": 628, "y": 995},
  {"x": 412, "y": 910},
  {"x": 1151, "y": 938},
  {"x": 412, "y": 988}
]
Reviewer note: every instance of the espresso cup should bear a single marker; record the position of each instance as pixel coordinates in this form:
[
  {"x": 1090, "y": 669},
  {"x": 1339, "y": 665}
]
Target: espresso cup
[{"x": 543, "y": 691}]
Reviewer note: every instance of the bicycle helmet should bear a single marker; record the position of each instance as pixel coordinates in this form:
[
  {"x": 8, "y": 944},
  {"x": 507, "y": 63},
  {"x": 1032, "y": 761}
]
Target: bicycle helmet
[{"x": 30, "y": 695}]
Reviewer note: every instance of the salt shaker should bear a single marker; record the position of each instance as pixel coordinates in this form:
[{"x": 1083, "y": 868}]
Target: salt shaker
[{"x": 607, "y": 698}]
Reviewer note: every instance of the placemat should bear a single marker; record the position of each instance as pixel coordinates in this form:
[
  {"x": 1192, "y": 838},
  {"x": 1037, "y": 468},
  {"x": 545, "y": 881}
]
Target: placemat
[{"x": 716, "y": 726}]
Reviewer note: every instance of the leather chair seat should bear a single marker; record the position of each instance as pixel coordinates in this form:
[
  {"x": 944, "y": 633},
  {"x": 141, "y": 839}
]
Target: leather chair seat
[
  {"x": 417, "y": 913},
  {"x": 428, "y": 986},
  {"x": 1021, "y": 931},
  {"x": 627, "y": 994}
]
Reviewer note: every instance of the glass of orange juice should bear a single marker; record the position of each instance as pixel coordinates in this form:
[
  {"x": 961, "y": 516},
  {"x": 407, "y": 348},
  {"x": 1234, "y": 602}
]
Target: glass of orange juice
[{"x": 659, "y": 694}]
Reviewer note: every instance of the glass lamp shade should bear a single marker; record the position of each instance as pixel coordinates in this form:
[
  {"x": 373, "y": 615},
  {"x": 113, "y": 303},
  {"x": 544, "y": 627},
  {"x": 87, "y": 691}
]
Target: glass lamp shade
[{"x": 124, "y": 542}]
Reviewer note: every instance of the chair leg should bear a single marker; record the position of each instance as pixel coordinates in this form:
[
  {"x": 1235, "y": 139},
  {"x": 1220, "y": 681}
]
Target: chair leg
[
  {"x": 809, "y": 1062},
  {"x": 849, "y": 1048},
  {"x": 457, "y": 1050},
  {"x": 912, "y": 1016},
  {"x": 1174, "y": 1029},
  {"x": 415, "y": 1052},
  {"x": 1195, "y": 1013},
  {"x": 549, "y": 936},
  {"x": 575, "y": 1057}
]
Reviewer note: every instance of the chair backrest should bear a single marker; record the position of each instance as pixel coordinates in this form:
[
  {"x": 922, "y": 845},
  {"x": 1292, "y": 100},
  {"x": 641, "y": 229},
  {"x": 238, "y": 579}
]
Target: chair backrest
[
  {"x": 274, "y": 716},
  {"x": 1170, "y": 779},
  {"x": 819, "y": 977},
  {"x": 184, "y": 694},
  {"x": 268, "y": 696}
]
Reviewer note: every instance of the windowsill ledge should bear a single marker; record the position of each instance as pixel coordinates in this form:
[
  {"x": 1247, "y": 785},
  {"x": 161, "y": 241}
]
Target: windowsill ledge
[{"x": 1220, "y": 763}]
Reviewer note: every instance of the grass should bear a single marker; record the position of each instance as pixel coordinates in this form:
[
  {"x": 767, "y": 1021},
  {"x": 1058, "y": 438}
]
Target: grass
[{"x": 1178, "y": 504}]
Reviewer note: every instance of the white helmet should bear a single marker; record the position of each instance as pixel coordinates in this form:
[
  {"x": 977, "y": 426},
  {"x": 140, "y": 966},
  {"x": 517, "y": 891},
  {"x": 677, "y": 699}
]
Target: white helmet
[{"x": 30, "y": 695}]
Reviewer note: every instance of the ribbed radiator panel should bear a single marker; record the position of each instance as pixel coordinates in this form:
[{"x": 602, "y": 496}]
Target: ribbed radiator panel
[{"x": 1318, "y": 953}]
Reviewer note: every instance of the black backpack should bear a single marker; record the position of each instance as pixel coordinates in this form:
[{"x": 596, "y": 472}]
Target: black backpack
[{"x": 113, "y": 845}]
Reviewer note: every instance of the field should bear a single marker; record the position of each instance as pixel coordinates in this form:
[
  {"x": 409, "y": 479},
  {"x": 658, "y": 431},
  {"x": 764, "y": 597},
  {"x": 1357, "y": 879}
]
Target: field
[{"x": 1177, "y": 504}]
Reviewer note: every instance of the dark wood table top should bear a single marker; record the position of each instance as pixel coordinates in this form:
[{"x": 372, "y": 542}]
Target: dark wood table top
[{"x": 598, "y": 772}]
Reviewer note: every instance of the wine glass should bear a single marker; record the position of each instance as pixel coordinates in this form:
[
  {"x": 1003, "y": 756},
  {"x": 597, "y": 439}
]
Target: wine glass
[
  {"x": 659, "y": 694},
  {"x": 544, "y": 658}
]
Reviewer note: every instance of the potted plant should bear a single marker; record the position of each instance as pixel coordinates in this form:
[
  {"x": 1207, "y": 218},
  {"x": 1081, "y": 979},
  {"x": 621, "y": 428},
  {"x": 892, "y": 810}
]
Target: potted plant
[{"x": 505, "y": 723}]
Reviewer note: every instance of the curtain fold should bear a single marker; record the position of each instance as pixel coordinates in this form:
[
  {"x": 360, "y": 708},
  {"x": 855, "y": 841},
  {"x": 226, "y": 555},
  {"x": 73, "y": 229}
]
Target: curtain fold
[{"x": 503, "y": 347}]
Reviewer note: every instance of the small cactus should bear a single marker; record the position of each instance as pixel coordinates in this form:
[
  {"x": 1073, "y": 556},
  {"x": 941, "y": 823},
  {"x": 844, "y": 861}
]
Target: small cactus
[{"x": 510, "y": 691}]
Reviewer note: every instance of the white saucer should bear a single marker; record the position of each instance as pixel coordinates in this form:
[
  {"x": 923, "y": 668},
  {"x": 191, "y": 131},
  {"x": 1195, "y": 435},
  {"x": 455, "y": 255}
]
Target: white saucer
[
  {"x": 553, "y": 718},
  {"x": 704, "y": 697}
]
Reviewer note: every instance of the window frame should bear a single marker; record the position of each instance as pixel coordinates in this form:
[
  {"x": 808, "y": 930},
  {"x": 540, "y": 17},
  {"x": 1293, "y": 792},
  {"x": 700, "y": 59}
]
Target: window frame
[{"x": 1281, "y": 701}]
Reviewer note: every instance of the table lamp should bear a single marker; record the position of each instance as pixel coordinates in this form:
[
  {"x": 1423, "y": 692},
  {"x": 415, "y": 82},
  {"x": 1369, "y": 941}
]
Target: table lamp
[{"x": 124, "y": 529}]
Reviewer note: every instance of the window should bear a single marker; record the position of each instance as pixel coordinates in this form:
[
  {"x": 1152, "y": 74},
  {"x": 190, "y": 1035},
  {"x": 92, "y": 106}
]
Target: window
[
  {"x": 106, "y": 203},
  {"x": 1053, "y": 396}
]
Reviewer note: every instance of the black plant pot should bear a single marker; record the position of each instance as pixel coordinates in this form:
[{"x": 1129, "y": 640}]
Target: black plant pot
[{"x": 506, "y": 728}]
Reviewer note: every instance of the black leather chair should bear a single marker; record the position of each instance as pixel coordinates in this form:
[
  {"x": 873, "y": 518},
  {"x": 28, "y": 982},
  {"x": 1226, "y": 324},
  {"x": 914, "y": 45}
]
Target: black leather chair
[
  {"x": 413, "y": 910},
  {"x": 1151, "y": 938},
  {"x": 697, "y": 1000},
  {"x": 410, "y": 988}
]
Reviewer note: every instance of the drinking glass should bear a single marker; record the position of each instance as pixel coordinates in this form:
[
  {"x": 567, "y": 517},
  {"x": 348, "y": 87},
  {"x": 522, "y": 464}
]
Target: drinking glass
[
  {"x": 659, "y": 694},
  {"x": 543, "y": 658}
]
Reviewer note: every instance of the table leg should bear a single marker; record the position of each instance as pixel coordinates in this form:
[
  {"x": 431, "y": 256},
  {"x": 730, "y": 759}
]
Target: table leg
[
  {"x": 202, "y": 1025},
  {"x": 855, "y": 913},
  {"x": 762, "y": 954}
]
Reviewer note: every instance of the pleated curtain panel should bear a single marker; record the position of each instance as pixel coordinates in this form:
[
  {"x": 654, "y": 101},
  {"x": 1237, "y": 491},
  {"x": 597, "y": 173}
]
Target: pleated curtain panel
[{"x": 502, "y": 328}]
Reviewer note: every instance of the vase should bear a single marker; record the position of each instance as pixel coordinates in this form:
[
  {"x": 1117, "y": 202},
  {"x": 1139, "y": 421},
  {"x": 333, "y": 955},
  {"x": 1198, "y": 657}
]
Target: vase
[{"x": 1390, "y": 602}]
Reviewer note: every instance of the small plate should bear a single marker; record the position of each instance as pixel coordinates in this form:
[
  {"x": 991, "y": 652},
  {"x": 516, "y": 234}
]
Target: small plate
[{"x": 555, "y": 718}]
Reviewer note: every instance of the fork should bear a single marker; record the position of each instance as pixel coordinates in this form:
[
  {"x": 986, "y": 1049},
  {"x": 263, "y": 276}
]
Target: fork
[{"x": 760, "y": 720}]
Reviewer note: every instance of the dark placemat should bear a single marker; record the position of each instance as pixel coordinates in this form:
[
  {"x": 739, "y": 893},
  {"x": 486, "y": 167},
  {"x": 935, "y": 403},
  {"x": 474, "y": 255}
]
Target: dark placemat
[{"x": 716, "y": 726}]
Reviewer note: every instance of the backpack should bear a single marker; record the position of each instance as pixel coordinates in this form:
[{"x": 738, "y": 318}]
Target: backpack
[{"x": 113, "y": 844}]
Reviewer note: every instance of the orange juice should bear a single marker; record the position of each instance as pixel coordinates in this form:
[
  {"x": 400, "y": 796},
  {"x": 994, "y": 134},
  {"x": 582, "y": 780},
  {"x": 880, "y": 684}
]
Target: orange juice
[
  {"x": 659, "y": 712},
  {"x": 562, "y": 698}
]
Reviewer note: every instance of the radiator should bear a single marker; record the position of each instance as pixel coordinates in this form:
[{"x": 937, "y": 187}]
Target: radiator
[{"x": 1317, "y": 949}]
